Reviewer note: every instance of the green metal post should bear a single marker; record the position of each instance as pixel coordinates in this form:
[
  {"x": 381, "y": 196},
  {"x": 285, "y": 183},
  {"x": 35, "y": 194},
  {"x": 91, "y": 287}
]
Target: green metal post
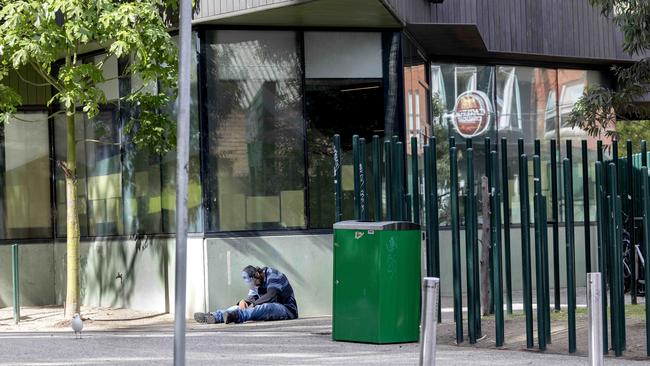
[
  {"x": 601, "y": 248},
  {"x": 338, "y": 192},
  {"x": 15, "y": 271},
  {"x": 570, "y": 252},
  {"x": 539, "y": 257},
  {"x": 388, "y": 168},
  {"x": 586, "y": 205},
  {"x": 506, "y": 221},
  {"x": 355, "y": 172},
  {"x": 619, "y": 271},
  {"x": 525, "y": 246},
  {"x": 555, "y": 223},
  {"x": 455, "y": 242},
  {"x": 376, "y": 175},
  {"x": 363, "y": 191},
  {"x": 547, "y": 306},
  {"x": 395, "y": 163},
  {"x": 434, "y": 217},
  {"x": 631, "y": 199},
  {"x": 469, "y": 246},
  {"x": 428, "y": 208},
  {"x": 415, "y": 180},
  {"x": 399, "y": 178},
  {"x": 496, "y": 252},
  {"x": 644, "y": 153},
  {"x": 645, "y": 191},
  {"x": 488, "y": 174}
]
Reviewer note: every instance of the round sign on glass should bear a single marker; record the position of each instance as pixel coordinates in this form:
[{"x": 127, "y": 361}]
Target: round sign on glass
[{"x": 472, "y": 113}]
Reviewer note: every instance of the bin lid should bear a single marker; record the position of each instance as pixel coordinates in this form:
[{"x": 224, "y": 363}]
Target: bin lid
[{"x": 376, "y": 225}]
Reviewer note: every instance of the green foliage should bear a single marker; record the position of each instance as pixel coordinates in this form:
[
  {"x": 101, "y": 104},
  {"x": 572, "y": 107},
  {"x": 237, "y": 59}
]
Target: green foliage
[
  {"x": 599, "y": 109},
  {"x": 44, "y": 34},
  {"x": 635, "y": 131}
]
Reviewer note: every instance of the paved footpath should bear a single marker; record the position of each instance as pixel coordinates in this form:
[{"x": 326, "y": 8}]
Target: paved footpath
[{"x": 299, "y": 342}]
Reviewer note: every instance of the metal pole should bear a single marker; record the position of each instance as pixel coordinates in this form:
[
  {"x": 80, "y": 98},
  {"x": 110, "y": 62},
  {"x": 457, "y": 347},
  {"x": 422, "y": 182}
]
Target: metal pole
[
  {"x": 570, "y": 252},
  {"x": 547, "y": 300},
  {"x": 585, "y": 203},
  {"x": 455, "y": 244},
  {"x": 645, "y": 184},
  {"x": 488, "y": 174},
  {"x": 338, "y": 193},
  {"x": 401, "y": 186},
  {"x": 644, "y": 153},
  {"x": 496, "y": 252},
  {"x": 15, "y": 272},
  {"x": 363, "y": 195},
  {"x": 506, "y": 221},
  {"x": 595, "y": 305},
  {"x": 539, "y": 257},
  {"x": 182, "y": 174},
  {"x": 356, "y": 176},
  {"x": 525, "y": 246},
  {"x": 388, "y": 168},
  {"x": 376, "y": 175},
  {"x": 415, "y": 180},
  {"x": 429, "y": 325},
  {"x": 428, "y": 209},
  {"x": 470, "y": 231},
  {"x": 600, "y": 219},
  {"x": 631, "y": 219},
  {"x": 556, "y": 219},
  {"x": 434, "y": 216}
]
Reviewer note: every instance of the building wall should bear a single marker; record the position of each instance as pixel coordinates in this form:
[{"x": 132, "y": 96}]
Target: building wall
[
  {"x": 567, "y": 28},
  {"x": 305, "y": 259},
  {"x": 214, "y": 270}
]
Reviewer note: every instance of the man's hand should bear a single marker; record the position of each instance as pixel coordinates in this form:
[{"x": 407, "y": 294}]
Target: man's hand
[{"x": 243, "y": 304}]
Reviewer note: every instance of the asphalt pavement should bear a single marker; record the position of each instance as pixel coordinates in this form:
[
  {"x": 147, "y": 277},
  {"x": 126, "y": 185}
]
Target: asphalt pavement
[{"x": 297, "y": 342}]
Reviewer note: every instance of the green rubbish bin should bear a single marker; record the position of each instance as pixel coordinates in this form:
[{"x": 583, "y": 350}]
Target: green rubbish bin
[{"x": 376, "y": 282}]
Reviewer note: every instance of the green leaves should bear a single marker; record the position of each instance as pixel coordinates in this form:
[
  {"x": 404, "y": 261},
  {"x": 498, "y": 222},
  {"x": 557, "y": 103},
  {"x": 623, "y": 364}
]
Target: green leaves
[
  {"x": 599, "y": 109},
  {"x": 51, "y": 34}
]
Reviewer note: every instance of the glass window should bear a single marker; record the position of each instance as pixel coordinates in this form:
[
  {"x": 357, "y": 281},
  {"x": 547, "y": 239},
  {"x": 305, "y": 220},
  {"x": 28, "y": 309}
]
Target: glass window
[
  {"x": 104, "y": 174},
  {"x": 526, "y": 109},
  {"x": 346, "y": 100},
  {"x": 571, "y": 86},
  {"x": 26, "y": 200},
  {"x": 60, "y": 153},
  {"x": 416, "y": 86},
  {"x": 256, "y": 174},
  {"x": 168, "y": 165},
  {"x": 450, "y": 86}
]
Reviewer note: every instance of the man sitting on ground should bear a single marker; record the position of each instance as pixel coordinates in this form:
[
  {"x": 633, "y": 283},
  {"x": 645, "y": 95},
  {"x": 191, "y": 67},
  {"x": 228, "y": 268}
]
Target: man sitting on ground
[{"x": 276, "y": 300}]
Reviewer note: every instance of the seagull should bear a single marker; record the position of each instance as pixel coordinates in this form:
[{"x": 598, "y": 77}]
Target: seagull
[{"x": 77, "y": 325}]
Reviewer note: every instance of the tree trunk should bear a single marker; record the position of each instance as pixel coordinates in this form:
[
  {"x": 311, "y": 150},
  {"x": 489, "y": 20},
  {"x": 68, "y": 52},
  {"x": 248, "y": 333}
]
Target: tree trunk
[
  {"x": 72, "y": 243},
  {"x": 485, "y": 247}
]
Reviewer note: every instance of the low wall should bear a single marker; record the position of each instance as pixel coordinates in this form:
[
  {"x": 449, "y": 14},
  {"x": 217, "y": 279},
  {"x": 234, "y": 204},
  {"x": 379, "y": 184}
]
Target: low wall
[{"x": 139, "y": 274}]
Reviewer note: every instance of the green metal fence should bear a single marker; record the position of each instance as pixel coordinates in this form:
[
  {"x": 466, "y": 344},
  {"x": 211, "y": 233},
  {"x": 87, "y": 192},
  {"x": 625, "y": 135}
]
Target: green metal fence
[{"x": 622, "y": 200}]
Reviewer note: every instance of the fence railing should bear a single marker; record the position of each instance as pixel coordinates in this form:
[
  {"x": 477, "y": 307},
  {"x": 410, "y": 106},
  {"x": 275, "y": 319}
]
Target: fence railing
[{"x": 622, "y": 221}]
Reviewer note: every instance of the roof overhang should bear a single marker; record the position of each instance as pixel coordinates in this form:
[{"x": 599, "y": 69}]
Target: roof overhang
[
  {"x": 312, "y": 13},
  {"x": 459, "y": 41}
]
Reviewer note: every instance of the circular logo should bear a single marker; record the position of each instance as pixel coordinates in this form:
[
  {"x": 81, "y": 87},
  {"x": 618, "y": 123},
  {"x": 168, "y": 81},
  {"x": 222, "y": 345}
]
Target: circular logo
[{"x": 472, "y": 113}]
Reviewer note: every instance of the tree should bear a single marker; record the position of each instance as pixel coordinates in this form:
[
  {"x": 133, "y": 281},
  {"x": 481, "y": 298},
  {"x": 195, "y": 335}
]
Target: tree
[
  {"x": 50, "y": 36},
  {"x": 600, "y": 107}
]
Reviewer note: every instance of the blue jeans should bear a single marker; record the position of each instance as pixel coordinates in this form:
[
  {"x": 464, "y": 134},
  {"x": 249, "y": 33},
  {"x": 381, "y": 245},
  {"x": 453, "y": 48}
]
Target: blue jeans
[
  {"x": 218, "y": 315},
  {"x": 267, "y": 311}
]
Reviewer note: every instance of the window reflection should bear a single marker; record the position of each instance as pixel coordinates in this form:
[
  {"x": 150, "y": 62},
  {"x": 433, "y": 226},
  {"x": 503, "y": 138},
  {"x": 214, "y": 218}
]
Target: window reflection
[
  {"x": 26, "y": 182},
  {"x": 256, "y": 141}
]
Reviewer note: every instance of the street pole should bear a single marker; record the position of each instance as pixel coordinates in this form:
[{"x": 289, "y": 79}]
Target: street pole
[
  {"x": 431, "y": 287},
  {"x": 594, "y": 298},
  {"x": 182, "y": 170}
]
